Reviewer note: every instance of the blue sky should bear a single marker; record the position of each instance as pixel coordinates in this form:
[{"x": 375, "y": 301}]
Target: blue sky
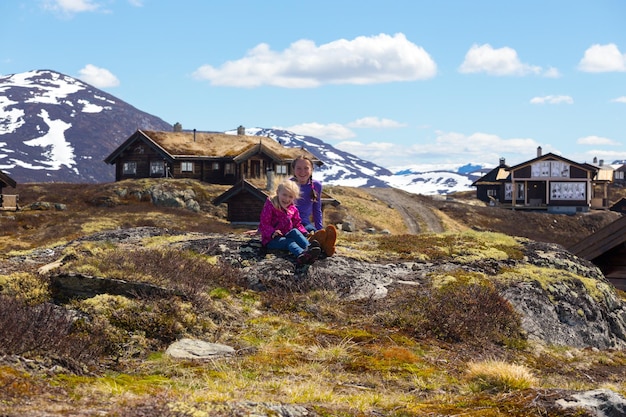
[{"x": 399, "y": 83}]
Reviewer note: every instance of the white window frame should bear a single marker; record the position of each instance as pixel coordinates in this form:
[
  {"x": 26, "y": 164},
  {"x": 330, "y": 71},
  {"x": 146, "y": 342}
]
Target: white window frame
[
  {"x": 129, "y": 168},
  {"x": 186, "y": 166},
  {"x": 215, "y": 166},
  {"x": 229, "y": 168},
  {"x": 157, "y": 167},
  {"x": 282, "y": 169}
]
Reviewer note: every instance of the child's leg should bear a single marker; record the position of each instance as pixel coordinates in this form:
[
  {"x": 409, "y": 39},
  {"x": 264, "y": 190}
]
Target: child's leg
[
  {"x": 298, "y": 238},
  {"x": 285, "y": 243}
]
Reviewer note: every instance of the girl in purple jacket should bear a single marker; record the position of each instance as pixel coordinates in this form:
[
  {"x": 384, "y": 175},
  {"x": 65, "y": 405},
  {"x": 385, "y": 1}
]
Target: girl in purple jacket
[
  {"x": 309, "y": 205},
  {"x": 281, "y": 227}
]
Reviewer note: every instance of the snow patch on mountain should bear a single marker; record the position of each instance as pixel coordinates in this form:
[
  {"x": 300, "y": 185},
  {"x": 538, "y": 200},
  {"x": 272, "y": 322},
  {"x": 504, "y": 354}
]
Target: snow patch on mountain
[{"x": 344, "y": 169}]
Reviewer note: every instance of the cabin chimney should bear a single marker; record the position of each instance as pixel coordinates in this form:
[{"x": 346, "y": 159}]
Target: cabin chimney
[
  {"x": 601, "y": 162},
  {"x": 502, "y": 163},
  {"x": 595, "y": 159},
  {"x": 538, "y": 151},
  {"x": 241, "y": 131}
]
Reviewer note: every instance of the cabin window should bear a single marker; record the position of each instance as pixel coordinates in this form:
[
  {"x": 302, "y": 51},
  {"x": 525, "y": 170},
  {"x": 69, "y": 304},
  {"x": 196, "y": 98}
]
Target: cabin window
[
  {"x": 492, "y": 193},
  {"x": 619, "y": 175},
  {"x": 186, "y": 166},
  {"x": 215, "y": 166},
  {"x": 568, "y": 191},
  {"x": 130, "y": 168},
  {"x": 281, "y": 169},
  {"x": 157, "y": 168},
  {"x": 229, "y": 169},
  {"x": 555, "y": 169},
  {"x": 508, "y": 191}
]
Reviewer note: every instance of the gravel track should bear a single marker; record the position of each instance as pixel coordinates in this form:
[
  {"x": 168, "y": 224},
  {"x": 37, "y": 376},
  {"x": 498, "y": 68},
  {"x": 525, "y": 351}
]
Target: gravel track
[{"x": 418, "y": 216}]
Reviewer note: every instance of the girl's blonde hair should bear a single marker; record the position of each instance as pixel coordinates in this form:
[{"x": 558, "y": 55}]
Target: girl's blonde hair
[{"x": 287, "y": 185}]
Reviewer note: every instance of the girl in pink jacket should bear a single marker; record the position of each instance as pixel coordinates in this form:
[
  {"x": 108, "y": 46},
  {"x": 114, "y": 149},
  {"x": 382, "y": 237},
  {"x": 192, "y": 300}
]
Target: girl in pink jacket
[{"x": 281, "y": 227}]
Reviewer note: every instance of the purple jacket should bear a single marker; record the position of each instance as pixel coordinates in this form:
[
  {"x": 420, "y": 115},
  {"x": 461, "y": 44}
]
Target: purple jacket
[
  {"x": 273, "y": 219},
  {"x": 309, "y": 208}
]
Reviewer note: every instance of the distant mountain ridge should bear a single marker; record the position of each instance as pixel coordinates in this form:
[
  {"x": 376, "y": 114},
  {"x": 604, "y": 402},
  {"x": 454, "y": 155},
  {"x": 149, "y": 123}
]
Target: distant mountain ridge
[{"x": 56, "y": 128}]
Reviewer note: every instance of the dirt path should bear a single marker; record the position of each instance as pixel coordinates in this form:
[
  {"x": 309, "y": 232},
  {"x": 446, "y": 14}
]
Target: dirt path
[{"x": 418, "y": 216}]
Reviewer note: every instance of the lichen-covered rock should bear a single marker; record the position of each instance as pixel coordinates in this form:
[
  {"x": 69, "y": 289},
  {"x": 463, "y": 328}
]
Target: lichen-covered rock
[
  {"x": 562, "y": 311},
  {"x": 562, "y": 299}
]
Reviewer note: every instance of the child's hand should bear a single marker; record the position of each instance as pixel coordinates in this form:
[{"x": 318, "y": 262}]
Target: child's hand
[{"x": 277, "y": 233}]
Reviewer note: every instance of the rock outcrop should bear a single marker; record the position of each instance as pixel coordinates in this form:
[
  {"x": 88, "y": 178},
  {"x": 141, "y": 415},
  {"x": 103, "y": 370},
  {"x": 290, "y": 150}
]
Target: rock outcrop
[{"x": 578, "y": 307}]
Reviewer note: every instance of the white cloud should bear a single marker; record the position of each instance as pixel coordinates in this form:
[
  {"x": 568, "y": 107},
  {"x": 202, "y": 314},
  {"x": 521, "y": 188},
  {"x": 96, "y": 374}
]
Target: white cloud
[
  {"x": 136, "y": 3},
  {"x": 447, "y": 148},
  {"x": 608, "y": 156},
  {"x": 603, "y": 58},
  {"x": 363, "y": 60},
  {"x": 552, "y": 100},
  {"x": 70, "y": 6},
  {"x": 552, "y": 73},
  {"x": 337, "y": 131},
  {"x": 330, "y": 131},
  {"x": 98, "y": 77},
  {"x": 375, "y": 122},
  {"x": 621, "y": 99},
  {"x": 595, "y": 140},
  {"x": 502, "y": 61}
]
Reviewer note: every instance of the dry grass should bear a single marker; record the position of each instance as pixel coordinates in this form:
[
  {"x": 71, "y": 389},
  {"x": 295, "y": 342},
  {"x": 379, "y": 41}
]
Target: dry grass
[{"x": 500, "y": 376}]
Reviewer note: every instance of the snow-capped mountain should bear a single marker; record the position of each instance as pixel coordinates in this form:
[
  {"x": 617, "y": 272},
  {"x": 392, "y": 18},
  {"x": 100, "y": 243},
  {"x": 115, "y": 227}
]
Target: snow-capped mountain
[
  {"x": 56, "y": 128},
  {"x": 342, "y": 168}
]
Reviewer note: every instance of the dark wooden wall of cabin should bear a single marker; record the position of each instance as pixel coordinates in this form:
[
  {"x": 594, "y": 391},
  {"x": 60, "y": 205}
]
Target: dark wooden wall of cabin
[
  {"x": 244, "y": 207},
  {"x": 613, "y": 264}
]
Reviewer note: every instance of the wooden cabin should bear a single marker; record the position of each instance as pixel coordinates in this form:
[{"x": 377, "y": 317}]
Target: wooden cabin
[
  {"x": 245, "y": 202},
  {"x": 619, "y": 178},
  {"x": 547, "y": 182},
  {"x": 211, "y": 157},
  {"x": 606, "y": 248},
  {"x": 7, "y": 201},
  {"x": 490, "y": 187}
]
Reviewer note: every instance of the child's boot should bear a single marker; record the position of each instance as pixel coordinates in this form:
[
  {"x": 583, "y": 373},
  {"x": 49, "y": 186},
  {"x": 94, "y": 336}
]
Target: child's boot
[
  {"x": 309, "y": 256},
  {"x": 329, "y": 243},
  {"x": 319, "y": 236}
]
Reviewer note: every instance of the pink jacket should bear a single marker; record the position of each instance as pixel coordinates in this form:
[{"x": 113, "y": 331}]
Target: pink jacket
[{"x": 273, "y": 219}]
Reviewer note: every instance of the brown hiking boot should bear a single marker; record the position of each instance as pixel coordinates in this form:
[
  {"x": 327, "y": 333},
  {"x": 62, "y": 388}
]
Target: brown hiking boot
[
  {"x": 329, "y": 243},
  {"x": 319, "y": 236}
]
